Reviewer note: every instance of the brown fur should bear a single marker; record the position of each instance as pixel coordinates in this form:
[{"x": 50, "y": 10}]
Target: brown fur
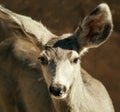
[{"x": 22, "y": 87}]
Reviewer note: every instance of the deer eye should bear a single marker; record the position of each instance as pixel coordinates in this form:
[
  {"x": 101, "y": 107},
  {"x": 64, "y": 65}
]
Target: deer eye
[
  {"x": 75, "y": 60},
  {"x": 43, "y": 60}
]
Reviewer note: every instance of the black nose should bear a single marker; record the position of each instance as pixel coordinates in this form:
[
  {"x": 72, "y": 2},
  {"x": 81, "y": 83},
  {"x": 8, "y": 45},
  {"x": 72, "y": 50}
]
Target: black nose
[{"x": 57, "y": 89}]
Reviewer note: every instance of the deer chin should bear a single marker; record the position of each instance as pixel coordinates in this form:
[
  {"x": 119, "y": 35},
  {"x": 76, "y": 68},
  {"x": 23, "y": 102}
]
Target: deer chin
[{"x": 62, "y": 96}]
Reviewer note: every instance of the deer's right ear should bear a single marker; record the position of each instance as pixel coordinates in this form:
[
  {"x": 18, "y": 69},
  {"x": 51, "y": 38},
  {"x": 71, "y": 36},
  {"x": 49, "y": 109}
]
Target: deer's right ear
[
  {"x": 95, "y": 28},
  {"x": 26, "y": 24}
]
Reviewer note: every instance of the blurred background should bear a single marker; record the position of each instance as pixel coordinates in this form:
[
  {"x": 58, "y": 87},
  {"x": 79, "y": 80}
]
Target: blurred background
[{"x": 63, "y": 16}]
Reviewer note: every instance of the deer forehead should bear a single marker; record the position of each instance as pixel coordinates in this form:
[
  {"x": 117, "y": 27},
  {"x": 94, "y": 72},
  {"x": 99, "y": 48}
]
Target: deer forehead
[{"x": 60, "y": 54}]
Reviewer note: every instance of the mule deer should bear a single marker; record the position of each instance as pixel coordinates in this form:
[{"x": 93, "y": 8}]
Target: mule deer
[
  {"x": 70, "y": 87},
  {"x": 62, "y": 71}
]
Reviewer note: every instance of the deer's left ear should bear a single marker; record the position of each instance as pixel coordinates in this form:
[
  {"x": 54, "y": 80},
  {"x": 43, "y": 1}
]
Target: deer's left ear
[{"x": 95, "y": 28}]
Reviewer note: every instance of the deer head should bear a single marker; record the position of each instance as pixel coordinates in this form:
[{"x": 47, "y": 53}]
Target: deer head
[{"x": 61, "y": 62}]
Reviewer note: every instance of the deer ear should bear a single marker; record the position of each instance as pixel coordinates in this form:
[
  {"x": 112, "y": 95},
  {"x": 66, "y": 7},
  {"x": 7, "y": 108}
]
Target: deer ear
[
  {"x": 95, "y": 28},
  {"x": 25, "y": 24}
]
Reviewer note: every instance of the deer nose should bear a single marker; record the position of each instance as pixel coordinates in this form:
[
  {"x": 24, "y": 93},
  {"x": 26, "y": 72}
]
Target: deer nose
[{"x": 57, "y": 89}]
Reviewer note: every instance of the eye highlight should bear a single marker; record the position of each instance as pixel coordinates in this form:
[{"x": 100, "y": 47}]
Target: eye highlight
[{"x": 43, "y": 60}]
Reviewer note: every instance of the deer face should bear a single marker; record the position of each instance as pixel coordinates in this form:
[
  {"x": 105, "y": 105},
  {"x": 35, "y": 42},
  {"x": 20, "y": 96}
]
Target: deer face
[
  {"x": 60, "y": 63},
  {"x": 60, "y": 68}
]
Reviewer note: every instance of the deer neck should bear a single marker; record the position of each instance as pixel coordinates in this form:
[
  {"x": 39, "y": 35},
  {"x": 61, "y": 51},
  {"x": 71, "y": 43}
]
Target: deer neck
[
  {"x": 79, "y": 98},
  {"x": 77, "y": 95},
  {"x": 60, "y": 105}
]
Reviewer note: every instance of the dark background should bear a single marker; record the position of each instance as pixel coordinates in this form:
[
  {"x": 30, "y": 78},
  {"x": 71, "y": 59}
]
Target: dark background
[{"x": 63, "y": 16}]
